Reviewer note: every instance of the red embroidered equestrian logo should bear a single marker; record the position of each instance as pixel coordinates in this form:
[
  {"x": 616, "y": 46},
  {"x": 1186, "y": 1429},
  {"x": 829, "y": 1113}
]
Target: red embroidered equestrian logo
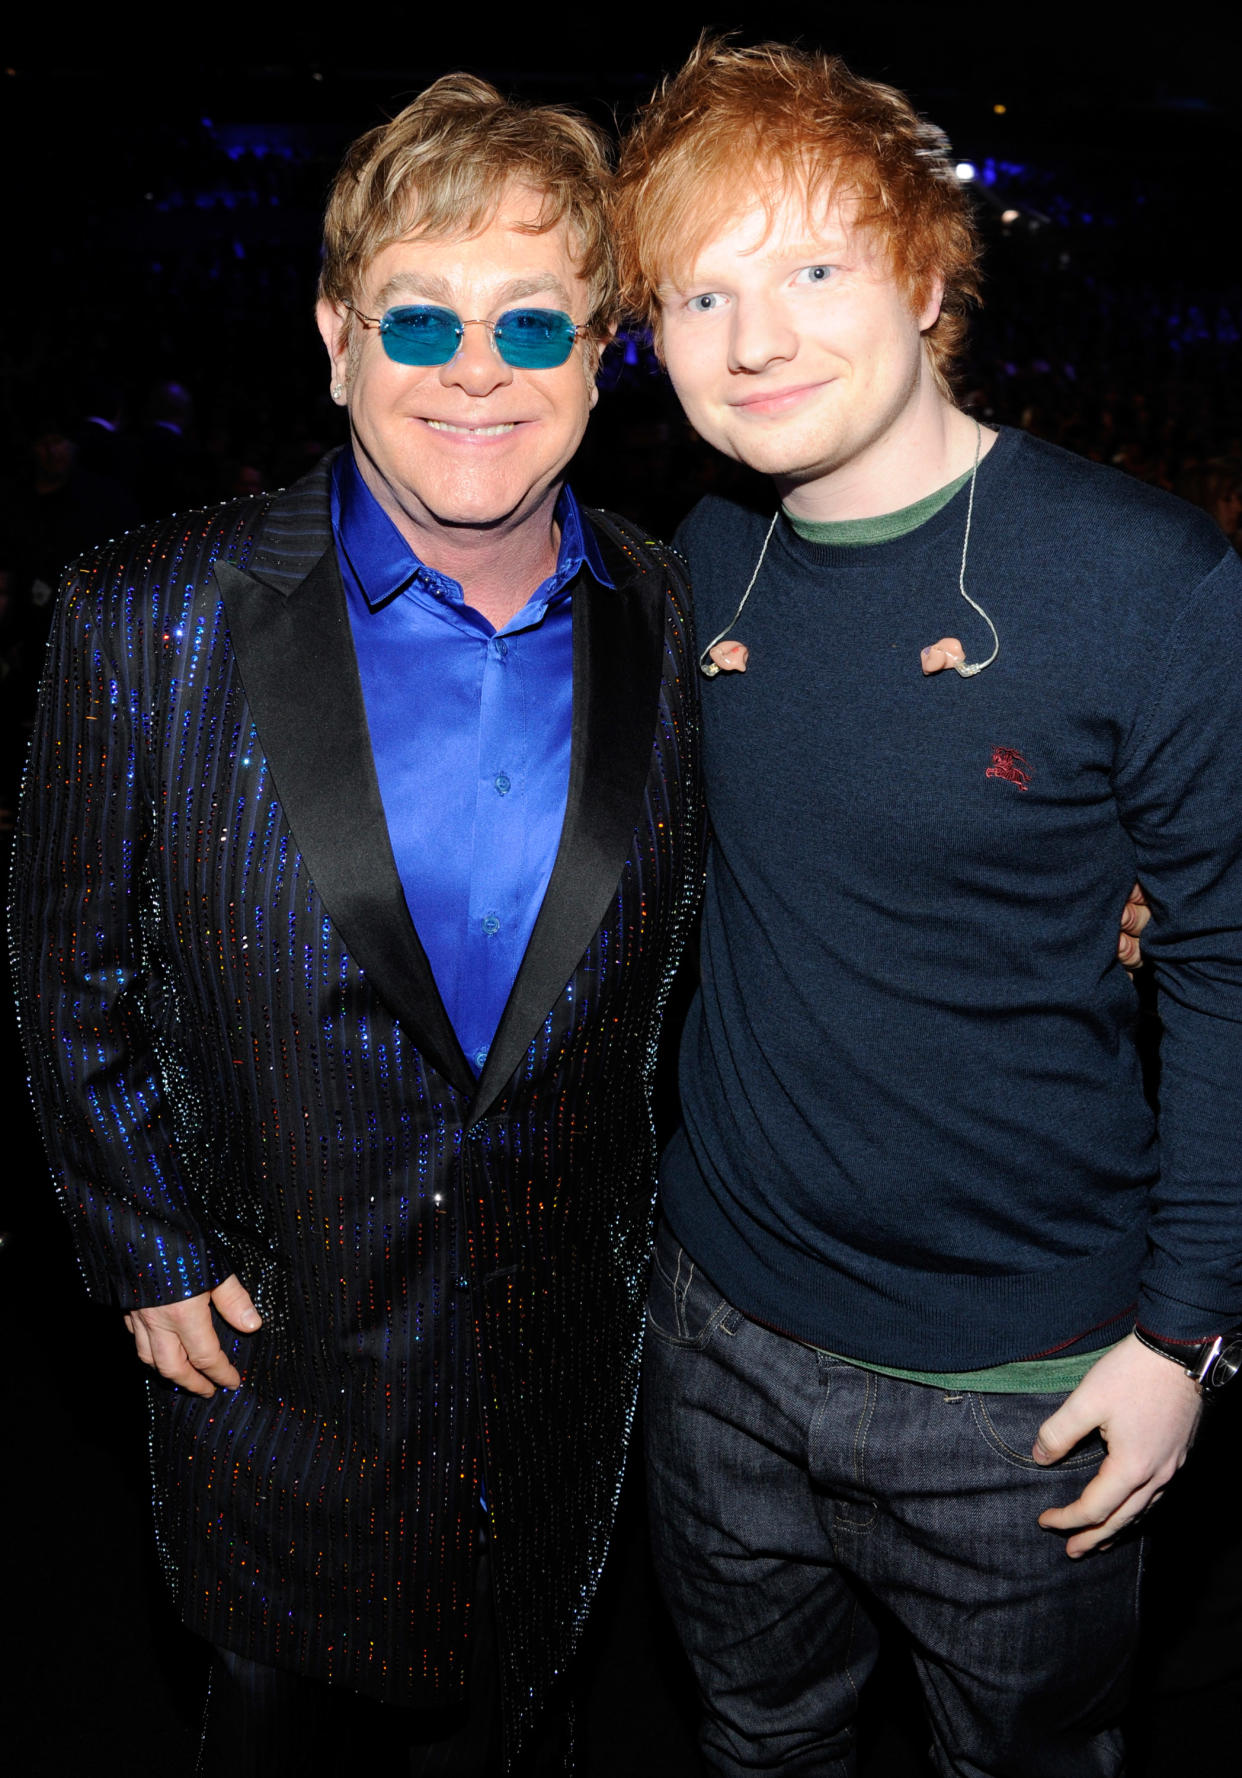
[{"x": 1007, "y": 762}]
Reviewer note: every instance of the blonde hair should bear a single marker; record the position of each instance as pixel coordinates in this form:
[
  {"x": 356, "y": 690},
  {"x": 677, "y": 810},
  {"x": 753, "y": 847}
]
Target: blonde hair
[
  {"x": 765, "y": 121},
  {"x": 441, "y": 167}
]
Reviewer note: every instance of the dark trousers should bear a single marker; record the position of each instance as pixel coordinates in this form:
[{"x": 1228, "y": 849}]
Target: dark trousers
[
  {"x": 263, "y": 1723},
  {"x": 788, "y": 1490}
]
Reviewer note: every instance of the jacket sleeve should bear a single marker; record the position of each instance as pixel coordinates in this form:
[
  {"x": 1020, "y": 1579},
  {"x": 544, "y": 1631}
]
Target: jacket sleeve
[
  {"x": 1177, "y": 785},
  {"x": 87, "y": 1001}
]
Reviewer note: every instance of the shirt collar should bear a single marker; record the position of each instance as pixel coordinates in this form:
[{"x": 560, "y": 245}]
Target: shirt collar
[{"x": 384, "y": 565}]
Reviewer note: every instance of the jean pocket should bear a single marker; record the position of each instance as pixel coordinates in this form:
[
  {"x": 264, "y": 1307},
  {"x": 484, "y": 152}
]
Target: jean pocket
[
  {"x": 1009, "y": 1424},
  {"x": 684, "y": 1307}
]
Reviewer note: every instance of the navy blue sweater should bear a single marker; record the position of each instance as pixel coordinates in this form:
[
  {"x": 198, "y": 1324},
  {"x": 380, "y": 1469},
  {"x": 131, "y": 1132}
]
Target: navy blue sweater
[{"x": 914, "y": 1129}]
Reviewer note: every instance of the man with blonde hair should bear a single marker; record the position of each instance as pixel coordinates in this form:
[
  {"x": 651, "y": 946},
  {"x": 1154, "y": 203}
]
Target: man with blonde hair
[
  {"x": 360, "y": 838},
  {"x": 935, "y": 1303}
]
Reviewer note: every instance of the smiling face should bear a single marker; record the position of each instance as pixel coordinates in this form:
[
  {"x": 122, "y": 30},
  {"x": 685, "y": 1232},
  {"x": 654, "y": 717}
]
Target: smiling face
[
  {"x": 475, "y": 444},
  {"x": 794, "y": 350}
]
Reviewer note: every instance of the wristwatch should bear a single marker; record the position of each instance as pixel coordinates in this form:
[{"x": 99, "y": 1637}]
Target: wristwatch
[{"x": 1212, "y": 1363}]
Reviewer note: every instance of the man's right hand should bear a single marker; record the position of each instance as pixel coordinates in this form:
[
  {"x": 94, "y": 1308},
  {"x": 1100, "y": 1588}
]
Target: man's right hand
[{"x": 179, "y": 1340}]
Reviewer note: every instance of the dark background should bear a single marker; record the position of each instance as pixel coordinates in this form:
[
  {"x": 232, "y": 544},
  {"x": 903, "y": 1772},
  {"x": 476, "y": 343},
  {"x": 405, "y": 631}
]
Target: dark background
[
  {"x": 162, "y": 192},
  {"x": 162, "y": 215}
]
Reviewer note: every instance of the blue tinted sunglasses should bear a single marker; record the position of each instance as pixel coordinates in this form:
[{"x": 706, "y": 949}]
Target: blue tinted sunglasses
[{"x": 421, "y": 333}]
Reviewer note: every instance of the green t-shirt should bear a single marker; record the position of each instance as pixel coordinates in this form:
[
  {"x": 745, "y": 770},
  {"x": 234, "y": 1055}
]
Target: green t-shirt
[
  {"x": 1025, "y": 1376},
  {"x": 852, "y": 533}
]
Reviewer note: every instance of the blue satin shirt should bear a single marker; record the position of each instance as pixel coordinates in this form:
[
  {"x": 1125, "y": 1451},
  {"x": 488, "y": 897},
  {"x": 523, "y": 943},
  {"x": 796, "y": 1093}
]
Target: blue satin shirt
[{"x": 470, "y": 728}]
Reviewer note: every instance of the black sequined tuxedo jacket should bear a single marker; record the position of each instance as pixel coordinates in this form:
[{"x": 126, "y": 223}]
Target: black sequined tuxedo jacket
[{"x": 242, "y": 1064}]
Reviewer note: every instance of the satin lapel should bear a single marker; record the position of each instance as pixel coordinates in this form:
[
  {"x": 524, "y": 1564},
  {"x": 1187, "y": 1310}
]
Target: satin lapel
[
  {"x": 618, "y": 652},
  {"x": 295, "y": 655}
]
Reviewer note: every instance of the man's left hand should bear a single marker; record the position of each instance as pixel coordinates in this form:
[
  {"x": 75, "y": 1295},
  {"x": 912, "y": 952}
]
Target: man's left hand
[
  {"x": 1134, "y": 916},
  {"x": 1147, "y": 1410}
]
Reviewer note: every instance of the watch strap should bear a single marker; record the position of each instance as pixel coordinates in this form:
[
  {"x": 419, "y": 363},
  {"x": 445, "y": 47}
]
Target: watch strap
[{"x": 1211, "y": 1362}]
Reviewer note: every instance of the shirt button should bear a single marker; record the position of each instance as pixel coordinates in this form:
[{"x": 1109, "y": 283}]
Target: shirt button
[
  {"x": 480, "y": 1056},
  {"x": 500, "y": 646},
  {"x": 491, "y": 923},
  {"x": 503, "y": 784}
]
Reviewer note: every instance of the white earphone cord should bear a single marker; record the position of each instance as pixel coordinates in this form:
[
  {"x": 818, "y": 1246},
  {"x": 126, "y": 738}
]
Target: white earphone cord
[
  {"x": 965, "y": 669},
  {"x": 707, "y": 668}
]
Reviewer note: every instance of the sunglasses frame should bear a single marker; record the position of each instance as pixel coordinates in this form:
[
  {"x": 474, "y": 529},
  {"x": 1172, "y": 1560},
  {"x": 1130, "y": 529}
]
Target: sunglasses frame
[{"x": 581, "y": 330}]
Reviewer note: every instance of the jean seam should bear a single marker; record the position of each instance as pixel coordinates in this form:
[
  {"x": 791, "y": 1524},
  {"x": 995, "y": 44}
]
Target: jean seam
[
  {"x": 1017, "y": 1459},
  {"x": 680, "y": 1291},
  {"x": 860, "y": 1515},
  {"x": 863, "y": 1428},
  {"x": 722, "y": 1314}
]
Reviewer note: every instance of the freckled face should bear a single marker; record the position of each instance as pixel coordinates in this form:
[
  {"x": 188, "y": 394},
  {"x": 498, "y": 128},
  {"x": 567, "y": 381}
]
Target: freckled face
[
  {"x": 793, "y": 349},
  {"x": 473, "y": 443}
]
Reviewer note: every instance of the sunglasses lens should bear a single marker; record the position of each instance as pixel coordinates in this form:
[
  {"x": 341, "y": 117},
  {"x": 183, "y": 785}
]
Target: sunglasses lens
[
  {"x": 420, "y": 334},
  {"x": 534, "y": 339},
  {"x": 530, "y": 339}
]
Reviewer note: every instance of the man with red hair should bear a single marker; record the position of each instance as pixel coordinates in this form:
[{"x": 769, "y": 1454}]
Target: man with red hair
[{"x": 935, "y": 1304}]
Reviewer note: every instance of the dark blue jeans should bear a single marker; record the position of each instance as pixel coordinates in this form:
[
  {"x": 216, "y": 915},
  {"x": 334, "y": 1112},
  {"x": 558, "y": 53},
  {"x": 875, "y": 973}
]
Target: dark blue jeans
[{"x": 788, "y": 1489}]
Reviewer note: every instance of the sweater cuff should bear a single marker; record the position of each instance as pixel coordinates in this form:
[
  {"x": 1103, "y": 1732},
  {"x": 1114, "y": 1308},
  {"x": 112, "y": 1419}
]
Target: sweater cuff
[{"x": 1172, "y": 1318}]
